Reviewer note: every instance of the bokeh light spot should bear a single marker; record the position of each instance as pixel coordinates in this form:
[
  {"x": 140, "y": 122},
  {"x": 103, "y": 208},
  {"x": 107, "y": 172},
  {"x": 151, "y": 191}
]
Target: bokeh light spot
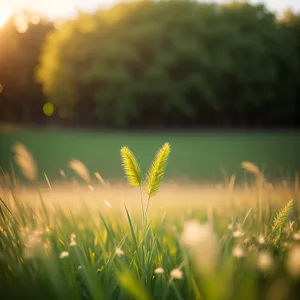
[{"x": 48, "y": 109}]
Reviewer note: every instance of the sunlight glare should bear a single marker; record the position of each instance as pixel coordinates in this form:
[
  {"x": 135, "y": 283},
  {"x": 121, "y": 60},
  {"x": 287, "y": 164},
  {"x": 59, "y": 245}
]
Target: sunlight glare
[{"x": 4, "y": 15}]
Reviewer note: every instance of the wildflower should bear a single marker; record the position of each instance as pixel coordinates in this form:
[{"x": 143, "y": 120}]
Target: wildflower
[
  {"x": 64, "y": 254},
  {"x": 72, "y": 243},
  {"x": 261, "y": 239},
  {"x": 293, "y": 261},
  {"x": 159, "y": 271},
  {"x": 176, "y": 274},
  {"x": 265, "y": 261},
  {"x": 238, "y": 251},
  {"x": 119, "y": 252},
  {"x": 296, "y": 236},
  {"x": 33, "y": 244},
  {"x": 237, "y": 234},
  {"x": 107, "y": 203},
  {"x": 73, "y": 236},
  {"x": 202, "y": 243}
]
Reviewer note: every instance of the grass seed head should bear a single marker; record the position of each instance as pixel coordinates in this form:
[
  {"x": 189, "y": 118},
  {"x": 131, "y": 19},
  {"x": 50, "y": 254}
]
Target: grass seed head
[
  {"x": 25, "y": 161},
  {"x": 78, "y": 167}
]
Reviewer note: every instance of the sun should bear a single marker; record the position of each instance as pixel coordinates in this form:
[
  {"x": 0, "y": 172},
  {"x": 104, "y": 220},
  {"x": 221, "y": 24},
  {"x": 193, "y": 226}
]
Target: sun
[{"x": 5, "y": 13}]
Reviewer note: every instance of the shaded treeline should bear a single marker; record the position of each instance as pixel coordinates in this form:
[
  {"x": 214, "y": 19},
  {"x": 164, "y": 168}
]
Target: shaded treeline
[{"x": 156, "y": 64}]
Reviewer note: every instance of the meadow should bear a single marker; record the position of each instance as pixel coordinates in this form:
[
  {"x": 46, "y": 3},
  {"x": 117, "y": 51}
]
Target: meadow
[
  {"x": 89, "y": 238},
  {"x": 196, "y": 156}
]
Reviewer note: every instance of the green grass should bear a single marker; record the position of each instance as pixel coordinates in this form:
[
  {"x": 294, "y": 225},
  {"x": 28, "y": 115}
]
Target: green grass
[
  {"x": 227, "y": 243},
  {"x": 195, "y": 156},
  {"x": 31, "y": 267}
]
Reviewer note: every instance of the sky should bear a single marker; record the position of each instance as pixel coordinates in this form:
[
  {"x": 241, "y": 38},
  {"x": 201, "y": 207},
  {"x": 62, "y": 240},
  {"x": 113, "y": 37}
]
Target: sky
[{"x": 65, "y": 8}]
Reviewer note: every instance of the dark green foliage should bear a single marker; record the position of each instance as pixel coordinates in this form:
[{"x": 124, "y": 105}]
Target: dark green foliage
[
  {"x": 168, "y": 63},
  {"x": 159, "y": 64}
]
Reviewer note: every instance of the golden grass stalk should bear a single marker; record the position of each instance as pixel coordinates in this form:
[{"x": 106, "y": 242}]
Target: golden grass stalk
[
  {"x": 131, "y": 167},
  {"x": 231, "y": 183},
  {"x": 82, "y": 171},
  {"x": 279, "y": 221},
  {"x": 251, "y": 168},
  {"x": 100, "y": 178},
  {"x": 25, "y": 161},
  {"x": 157, "y": 170}
]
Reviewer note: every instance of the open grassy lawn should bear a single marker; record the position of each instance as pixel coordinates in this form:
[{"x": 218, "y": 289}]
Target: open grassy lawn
[
  {"x": 229, "y": 241},
  {"x": 195, "y": 156}
]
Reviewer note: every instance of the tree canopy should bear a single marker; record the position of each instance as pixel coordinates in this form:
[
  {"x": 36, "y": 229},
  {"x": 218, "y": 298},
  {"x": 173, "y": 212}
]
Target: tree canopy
[{"x": 174, "y": 63}]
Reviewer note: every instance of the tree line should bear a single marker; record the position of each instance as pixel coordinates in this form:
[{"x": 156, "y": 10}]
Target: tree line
[{"x": 155, "y": 64}]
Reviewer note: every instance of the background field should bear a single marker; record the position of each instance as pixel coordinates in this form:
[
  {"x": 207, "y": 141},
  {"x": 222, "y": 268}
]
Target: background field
[{"x": 200, "y": 156}]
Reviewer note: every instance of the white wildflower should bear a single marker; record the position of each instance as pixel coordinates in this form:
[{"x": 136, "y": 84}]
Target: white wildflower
[
  {"x": 73, "y": 243},
  {"x": 264, "y": 261},
  {"x": 296, "y": 236},
  {"x": 73, "y": 236},
  {"x": 119, "y": 252},
  {"x": 293, "y": 261},
  {"x": 238, "y": 251},
  {"x": 64, "y": 254},
  {"x": 33, "y": 244},
  {"x": 202, "y": 243},
  {"x": 237, "y": 234},
  {"x": 159, "y": 271},
  {"x": 176, "y": 274},
  {"x": 261, "y": 240}
]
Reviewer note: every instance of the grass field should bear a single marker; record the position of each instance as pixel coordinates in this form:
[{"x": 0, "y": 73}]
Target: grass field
[
  {"x": 195, "y": 156},
  {"x": 229, "y": 241},
  {"x": 70, "y": 242}
]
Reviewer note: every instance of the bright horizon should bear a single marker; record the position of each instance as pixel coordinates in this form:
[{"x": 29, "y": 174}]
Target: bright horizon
[{"x": 61, "y": 9}]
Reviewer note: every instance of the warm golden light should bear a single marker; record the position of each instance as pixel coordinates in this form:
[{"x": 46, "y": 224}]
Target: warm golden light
[{"x": 4, "y": 15}]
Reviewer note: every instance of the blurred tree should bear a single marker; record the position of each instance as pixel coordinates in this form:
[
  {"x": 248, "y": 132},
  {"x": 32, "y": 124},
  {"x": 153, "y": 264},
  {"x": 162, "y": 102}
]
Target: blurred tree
[
  {"x": 173, "y": 63},
  {"x": 21, "y": 39}
]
